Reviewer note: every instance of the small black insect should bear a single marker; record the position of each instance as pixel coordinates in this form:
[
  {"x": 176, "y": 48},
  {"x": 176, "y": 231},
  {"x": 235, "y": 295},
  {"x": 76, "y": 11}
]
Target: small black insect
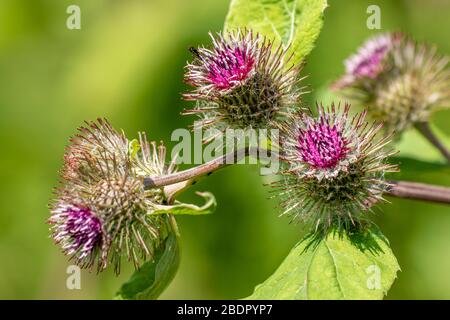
[{"x": 195, "y": 52}]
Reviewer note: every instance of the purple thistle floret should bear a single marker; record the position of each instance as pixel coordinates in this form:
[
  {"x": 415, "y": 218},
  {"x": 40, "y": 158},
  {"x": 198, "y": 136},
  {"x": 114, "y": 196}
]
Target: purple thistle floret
[
  {"x": 229, "y": 66},
  {"x": 367, "y": 62},
  {"x": 77, "y": 230},
  {"x": 225, "y": 66},
  {"x": 321, "y": 145}
]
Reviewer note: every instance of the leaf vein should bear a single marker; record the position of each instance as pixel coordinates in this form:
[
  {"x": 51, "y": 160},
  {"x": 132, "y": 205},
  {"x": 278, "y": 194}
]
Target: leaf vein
[{"x": 335, "y": 268}]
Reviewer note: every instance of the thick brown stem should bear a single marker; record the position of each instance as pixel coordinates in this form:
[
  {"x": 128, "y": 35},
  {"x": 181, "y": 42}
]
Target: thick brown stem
[
  {"x": 400, "y": 189},
  {"x": 206, "y": 168},
  {"x": 419, "y": 191}
]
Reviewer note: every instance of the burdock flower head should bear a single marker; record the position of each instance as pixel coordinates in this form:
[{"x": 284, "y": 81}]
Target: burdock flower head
[
  {"x": 369, "y": 60},
  {"x": 78, "y": 231},
  {"x": 95, "y": 142},
  {"x": 336, "y": 166},
  {"x": 242, "y": 81},
  {"x": 102, "y": 211},
  {"x": 400, "y": 81}
]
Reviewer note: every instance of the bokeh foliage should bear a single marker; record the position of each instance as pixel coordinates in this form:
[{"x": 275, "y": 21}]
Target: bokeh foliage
[{"x": 126, "y": 63}]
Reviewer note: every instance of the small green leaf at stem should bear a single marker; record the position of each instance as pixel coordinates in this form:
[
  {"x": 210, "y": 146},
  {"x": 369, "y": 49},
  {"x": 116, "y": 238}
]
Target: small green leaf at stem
[
  {"x": 189, "y": 209},
  {"x": 133, "y": 148},
  {"x": 360, "y": 266}
]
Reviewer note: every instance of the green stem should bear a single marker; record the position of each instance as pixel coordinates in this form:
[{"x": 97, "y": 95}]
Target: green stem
[{"x": 425, "y": 130}]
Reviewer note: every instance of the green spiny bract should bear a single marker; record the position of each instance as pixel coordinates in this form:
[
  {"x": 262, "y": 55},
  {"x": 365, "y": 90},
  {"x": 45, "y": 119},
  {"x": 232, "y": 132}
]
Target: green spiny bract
[
  {"x": 242, "y": 82},
  {"x": 101, "y": 211},
  {"x": 411, "y": 82},
  {"x": 335, "y": 167}
]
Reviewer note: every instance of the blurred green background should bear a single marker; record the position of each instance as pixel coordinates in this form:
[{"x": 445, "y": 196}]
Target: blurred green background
[{"x": 126, "y": 63}]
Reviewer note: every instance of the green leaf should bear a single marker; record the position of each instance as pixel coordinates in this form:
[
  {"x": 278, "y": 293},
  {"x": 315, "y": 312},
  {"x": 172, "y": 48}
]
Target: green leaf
[
  {"x": 294, "y": 23},
  {"x": 187, "y": 208},
  {"x": 154, "y": 276},
  {"x": 358, "y": 267}
]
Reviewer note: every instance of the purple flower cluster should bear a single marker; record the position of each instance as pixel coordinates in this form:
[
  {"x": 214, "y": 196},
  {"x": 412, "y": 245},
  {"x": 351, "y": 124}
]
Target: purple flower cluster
[
  {"x": 321, "y": 144},
  {"x": 77, "y": 229},
  {"x": 242, "y": 81},
  {"x": 226, "y": 65},
  {"x": 229, "y": 66},
  {"x": 367, "y": 61}
]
